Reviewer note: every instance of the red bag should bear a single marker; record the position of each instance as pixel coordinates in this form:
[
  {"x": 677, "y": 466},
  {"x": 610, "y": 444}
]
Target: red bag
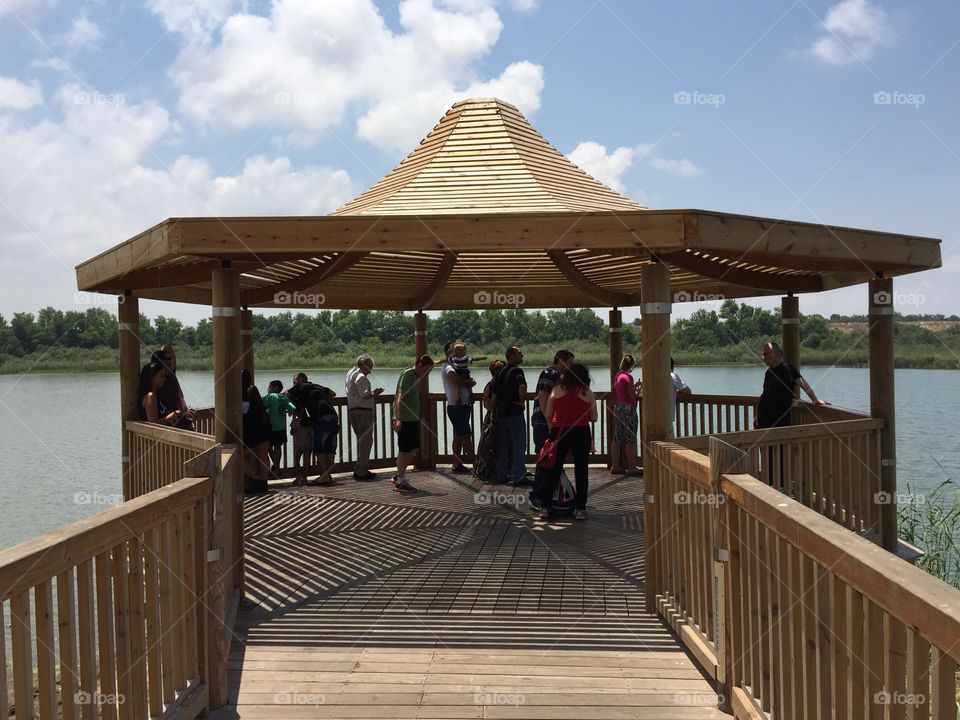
[{"x": 547, "y": 457}]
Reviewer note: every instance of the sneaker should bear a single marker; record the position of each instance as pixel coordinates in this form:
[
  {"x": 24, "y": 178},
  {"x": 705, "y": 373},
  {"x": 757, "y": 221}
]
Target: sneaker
[
  {"x": 535, "y": 504},
  {"x": 402, "y": 486},
  {"x": 544, "y": 514},
  {"x": 393, "y": 480},
  {"x": 523, "y": 482},
  {"x": 462, "y": 470},
  {"x": 365, "y": 475},
  {"x": 580, "y": 515}
]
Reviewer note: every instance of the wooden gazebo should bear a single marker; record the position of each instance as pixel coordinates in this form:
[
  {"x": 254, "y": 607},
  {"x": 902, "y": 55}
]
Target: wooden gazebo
[{"x": 485, "y": 208}]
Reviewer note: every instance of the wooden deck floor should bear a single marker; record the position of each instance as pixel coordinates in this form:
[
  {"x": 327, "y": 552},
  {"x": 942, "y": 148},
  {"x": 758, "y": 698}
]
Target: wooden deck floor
[{"x": 452, "y": 603}]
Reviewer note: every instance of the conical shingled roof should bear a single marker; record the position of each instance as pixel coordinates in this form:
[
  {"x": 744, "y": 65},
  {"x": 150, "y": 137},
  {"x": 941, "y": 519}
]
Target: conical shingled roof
[{"x": 484, "y": 157}]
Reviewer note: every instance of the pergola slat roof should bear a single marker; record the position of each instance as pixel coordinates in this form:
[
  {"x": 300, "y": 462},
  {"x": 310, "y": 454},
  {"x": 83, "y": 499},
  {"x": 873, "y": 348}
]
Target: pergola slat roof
[{"x": 486, "y": 208}]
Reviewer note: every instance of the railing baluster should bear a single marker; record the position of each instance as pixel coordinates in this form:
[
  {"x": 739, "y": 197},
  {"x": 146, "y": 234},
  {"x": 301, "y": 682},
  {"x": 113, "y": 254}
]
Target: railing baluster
[
  {"x": 67, "y": 636},
  {"x": 151, "y": 616},
  {"x": 165, "y": 601},
  {"x": 46, "y": 655},
  {"x": 855, "y": 653},
  {"x": 21, "y": 636},
  {"x": 873, "y": 657},
  {"x": 943, "y": 673},
  {"x": 122, "y": 631},
  {"x": 106, "y": 636},
  {"x": 918, "y": 675},
  {"x": 87, "y": 631}
]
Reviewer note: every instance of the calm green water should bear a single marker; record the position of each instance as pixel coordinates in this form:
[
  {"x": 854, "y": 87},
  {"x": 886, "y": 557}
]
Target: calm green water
[{"x": 60, "y": 444}]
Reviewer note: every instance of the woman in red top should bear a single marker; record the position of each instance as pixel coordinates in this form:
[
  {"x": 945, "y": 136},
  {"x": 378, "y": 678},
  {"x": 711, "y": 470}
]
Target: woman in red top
[{"x": 571, "y": 408}]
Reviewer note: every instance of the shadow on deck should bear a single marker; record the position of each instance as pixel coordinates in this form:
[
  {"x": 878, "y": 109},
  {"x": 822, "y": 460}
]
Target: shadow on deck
[{"x": 454, "y": 602}]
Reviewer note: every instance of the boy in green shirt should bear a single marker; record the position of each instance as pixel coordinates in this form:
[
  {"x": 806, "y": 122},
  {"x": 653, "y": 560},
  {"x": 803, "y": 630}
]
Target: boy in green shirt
[
  {"x": 406, "y": 419},
  {"x": 277, "y": 405}
]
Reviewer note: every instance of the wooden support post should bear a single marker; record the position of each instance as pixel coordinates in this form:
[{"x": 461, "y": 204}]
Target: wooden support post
[
  {"x": 616, "y": 354},
  {"x": 882, "y": 404},
  {"x": 246, "y": 343},
  {"x": 228, "y": 427},
  {"x": 657, "y": 396},
  {"x": 128, "y": 315},
  {"x": 790, "y": 333},
  {"x": 427, "y": 458}
]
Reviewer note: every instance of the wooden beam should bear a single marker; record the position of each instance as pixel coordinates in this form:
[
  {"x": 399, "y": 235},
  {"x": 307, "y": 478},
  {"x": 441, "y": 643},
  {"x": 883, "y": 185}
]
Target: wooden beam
[
  {"x": 606, "y": 298},
  {"x": 638, "y": 229},
  {"x": 128, "y": 312},
  {"x": 148, "y": 248},
  {"x": 753, "y": 279},
  {"x": 806, "y": 246},
  {"x": 426, "y": 297},
  {"x": 331, "y": 268},
  {"x": 882, "y": 402},
  {"x": 162, "y": 277}
]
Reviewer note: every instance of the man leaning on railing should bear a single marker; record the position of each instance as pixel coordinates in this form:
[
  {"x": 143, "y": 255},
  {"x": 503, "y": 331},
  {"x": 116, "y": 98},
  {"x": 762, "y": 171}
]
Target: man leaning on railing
[{"x": 776, "y": 401}]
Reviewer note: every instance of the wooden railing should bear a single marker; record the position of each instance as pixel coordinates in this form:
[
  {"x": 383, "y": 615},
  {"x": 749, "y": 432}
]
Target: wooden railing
[
  {"x": 794, "y": 615},
  {"x": 203, "y": 421},
  {"x": 832, "y": 467},
  {"x": 112, "y": 606},
  {"x": 708, "y": 414},
  {"x": 157, "y": 455},
  {"x": 807, "y": 413}
]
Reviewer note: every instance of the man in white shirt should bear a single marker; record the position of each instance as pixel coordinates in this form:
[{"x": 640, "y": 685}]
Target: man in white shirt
[
  {"x": 361, "y": 400},
  {"x": 459, "y": 390}
]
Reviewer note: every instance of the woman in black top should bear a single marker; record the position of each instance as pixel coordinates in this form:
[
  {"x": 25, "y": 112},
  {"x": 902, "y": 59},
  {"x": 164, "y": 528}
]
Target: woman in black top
[{"x": 256, "y": 436}]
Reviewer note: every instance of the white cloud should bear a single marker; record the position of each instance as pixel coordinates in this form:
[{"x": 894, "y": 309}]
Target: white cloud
[
  {"x": 84, "y": 35},
  {"x": 525, "y": 5},
  {"x": 22, "y": 7},
  {"x": 854, "y": 30},
  {"x": 195, "y": 19},
  {"x": 308, "y": 66},
  {"x": 72, "y": 187},
  {"x": 609, "y": 167},
  {"x": 17, "y": 95},
  {"x": 681, "y": 167}
]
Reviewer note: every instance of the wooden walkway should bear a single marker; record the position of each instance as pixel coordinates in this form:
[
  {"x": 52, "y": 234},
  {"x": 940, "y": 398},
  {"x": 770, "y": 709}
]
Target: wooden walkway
[{"x": 452, "y": 603}]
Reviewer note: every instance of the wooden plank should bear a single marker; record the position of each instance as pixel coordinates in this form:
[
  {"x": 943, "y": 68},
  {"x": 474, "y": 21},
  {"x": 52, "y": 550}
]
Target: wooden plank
[
  {"x": 151, "y": 611},
  {"x": 106, "y": 636},
  {"x": 46, "y": 653},
  {"x": 4, "y": 687},
  {"x": 855, "y": 647},
  {"x": 165, "y": 603},
  {"x": 873, "y": 658},
  {"x": 744, "y": 707},
  {"x": 22, "y": 655},
  {"x": 87, "y": 636},
  {"x": 67, "y": 637},
  {"x": 943, "y": 685},
  {"x": 122, "y": 627},
  {"x": 918, "y": 676}
]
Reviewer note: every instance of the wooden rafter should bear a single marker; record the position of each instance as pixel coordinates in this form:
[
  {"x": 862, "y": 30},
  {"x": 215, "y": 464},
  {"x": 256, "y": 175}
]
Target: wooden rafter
[
  {"x": 753, "y": 279},
  {"x": 610, "y": 298},
  {"x": 329, "y": 269},
  {"x": 425, "y": 298}
]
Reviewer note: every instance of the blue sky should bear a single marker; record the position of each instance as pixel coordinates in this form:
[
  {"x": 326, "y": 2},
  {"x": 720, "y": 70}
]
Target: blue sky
[{"x": 114, "y": 116}]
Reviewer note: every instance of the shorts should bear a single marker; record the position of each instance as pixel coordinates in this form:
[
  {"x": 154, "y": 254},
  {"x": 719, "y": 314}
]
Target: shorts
[
  {"x": 325, "y": 435},
  {"x": 278, "y": 437},
  {"x": 408, "y": 438},
  {"x": 460, "y": 419}
]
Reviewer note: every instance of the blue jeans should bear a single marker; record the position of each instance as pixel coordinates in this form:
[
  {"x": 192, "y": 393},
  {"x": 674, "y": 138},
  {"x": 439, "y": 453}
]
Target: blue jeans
[{"x": 513, "y": 438}]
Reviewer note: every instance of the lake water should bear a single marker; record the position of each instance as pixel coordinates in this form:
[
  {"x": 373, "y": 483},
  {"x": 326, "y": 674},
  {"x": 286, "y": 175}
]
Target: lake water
[{"x": 60, "y": 444}]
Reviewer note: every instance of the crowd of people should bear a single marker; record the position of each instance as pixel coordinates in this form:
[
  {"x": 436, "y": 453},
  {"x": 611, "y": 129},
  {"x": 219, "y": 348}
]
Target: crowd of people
[{"x": 564, "y": 407}]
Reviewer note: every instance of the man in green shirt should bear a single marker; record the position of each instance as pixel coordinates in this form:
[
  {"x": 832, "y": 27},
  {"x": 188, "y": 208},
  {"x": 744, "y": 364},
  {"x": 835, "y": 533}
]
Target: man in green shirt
[{"x": 406, "y": 419}]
